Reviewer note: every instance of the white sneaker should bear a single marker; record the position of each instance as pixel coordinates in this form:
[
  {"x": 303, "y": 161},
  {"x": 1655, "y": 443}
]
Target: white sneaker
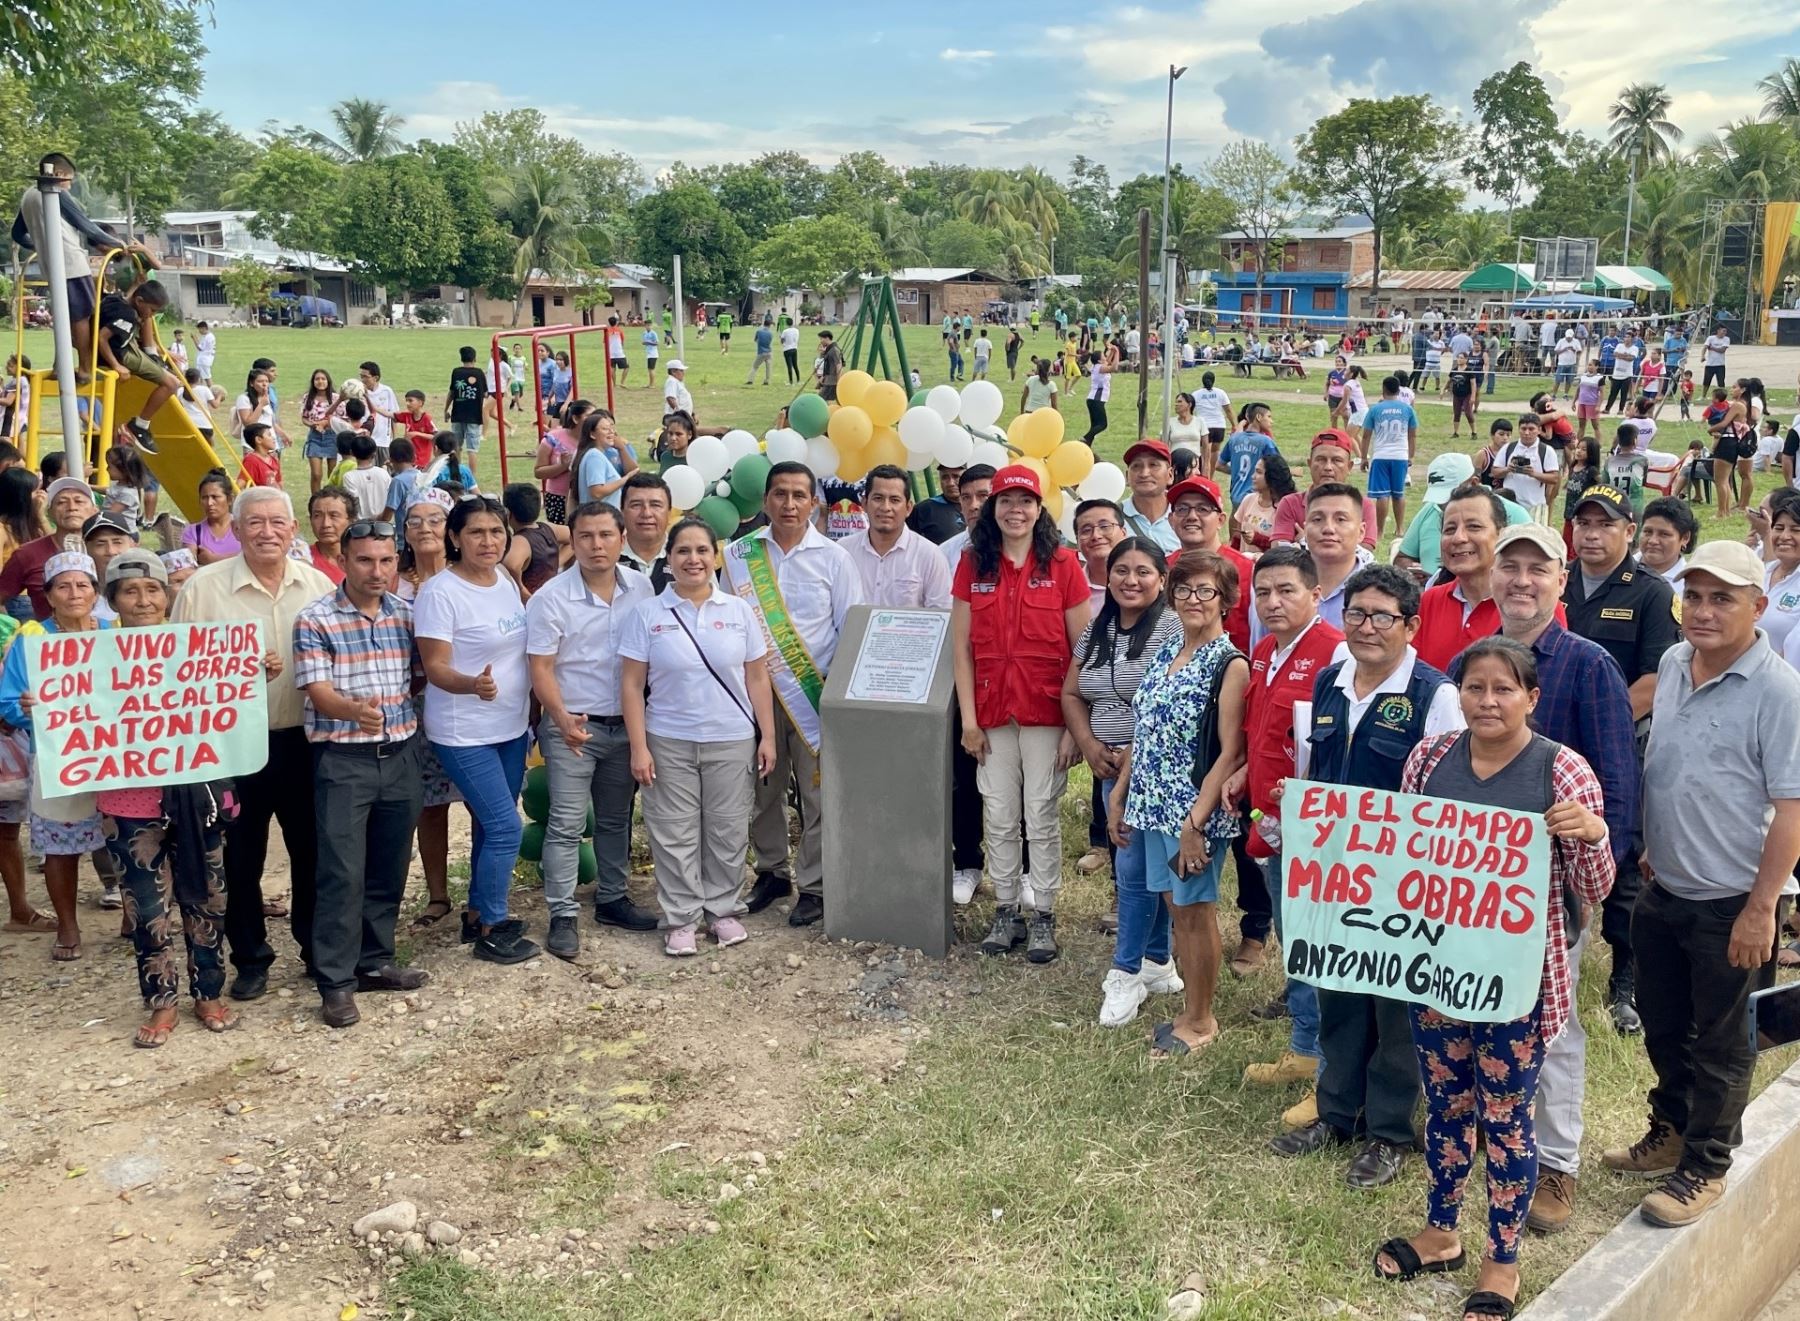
[
  {"x": 964, "y": 884},
  {"x": 1121, "y": 994},
  {"x": 1161, "y": 978}
]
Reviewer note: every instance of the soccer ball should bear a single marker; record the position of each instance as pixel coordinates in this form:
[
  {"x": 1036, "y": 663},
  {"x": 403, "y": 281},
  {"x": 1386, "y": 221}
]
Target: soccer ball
[{"x": 351, "y": 389}]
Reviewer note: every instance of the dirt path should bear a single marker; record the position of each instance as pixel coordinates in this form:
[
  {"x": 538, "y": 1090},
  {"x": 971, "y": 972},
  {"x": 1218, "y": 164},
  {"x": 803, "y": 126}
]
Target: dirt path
[{"x": 546, "y": 1114}]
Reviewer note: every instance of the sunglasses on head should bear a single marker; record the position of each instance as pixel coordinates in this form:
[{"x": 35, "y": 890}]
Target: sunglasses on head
[{"x": 370, "y": 527}]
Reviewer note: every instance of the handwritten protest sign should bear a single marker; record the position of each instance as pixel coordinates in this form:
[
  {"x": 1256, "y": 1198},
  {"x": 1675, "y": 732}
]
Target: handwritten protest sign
[
  {"x": 132, "y": 708},
  {"x": 1427, "y": 900}
]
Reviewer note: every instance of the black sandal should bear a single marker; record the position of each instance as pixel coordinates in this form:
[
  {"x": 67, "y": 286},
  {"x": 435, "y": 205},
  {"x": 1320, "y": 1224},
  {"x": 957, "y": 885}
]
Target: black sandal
[
  {"x": 427, "y": 918},
  {"x": 1485, "y": 1302},
  {"x": 1411, "y": 1265}
]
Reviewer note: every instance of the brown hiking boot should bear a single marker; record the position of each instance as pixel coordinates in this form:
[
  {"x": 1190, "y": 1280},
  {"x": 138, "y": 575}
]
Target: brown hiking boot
[
  {"x": 1302, "y": 1113},
  {"x": 1553, "y": 1202},
  {"x": 1652, "y": 1156},
  {"x": 1291, "y": 1067},
  {"x": 1682, "y": 1198},
  {"x": 1249, "y": 957}
]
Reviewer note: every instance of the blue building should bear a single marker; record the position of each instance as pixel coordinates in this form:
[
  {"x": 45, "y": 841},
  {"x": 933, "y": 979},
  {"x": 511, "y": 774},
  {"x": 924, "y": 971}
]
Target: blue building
[{"x": 1307, "y": 277}]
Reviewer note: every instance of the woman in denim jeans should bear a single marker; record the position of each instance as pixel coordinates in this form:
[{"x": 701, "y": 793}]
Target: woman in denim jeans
[
  {"x": 1103, "y": 677},
  {"x": 316, "y": 407},
  {"x": 470, "y": 624}
]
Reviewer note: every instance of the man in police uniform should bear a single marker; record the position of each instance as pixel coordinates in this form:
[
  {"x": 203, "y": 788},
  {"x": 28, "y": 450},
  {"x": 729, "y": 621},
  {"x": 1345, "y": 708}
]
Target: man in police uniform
[{"x": 1630, "y": 612}]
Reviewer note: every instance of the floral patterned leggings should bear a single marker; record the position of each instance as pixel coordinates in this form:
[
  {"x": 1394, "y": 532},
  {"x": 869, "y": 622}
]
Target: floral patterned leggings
[
  {"x": 145, "y": 857},
  {"x": 1485, "y": 1071}
]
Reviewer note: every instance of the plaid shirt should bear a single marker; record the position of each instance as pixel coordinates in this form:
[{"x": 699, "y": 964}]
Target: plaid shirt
[
  {"x": 1586, "y": 868},
  {"x": 336, "y": 643}
]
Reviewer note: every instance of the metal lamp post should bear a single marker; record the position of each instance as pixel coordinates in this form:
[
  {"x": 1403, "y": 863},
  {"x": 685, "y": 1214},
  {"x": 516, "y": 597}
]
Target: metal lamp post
[{"x": 1168, "y": 266}]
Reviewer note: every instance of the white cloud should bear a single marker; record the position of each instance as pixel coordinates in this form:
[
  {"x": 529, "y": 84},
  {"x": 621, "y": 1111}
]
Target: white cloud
[{"x": 954, "y": 56}]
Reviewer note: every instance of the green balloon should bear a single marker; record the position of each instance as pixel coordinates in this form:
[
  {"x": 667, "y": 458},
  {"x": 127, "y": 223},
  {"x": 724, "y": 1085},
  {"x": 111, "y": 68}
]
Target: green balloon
[
  {"x": 720, "y": 515},
  {"x": 537, "y": 793},
  {"x": 531, "y": 843},
  {"x": 808, "y": 415},
  {"x": 588, "y": 866},
  {"x": 918, "y": 399},
  {"x": 749, "y": 475}
]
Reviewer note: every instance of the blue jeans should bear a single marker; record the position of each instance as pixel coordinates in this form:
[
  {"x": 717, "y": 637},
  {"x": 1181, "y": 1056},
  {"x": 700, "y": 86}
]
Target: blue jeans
[
  {"x": 1302, "y": 997},
  {"x": 489, "y": 777},
  {"x": 1143, "y": 917}
]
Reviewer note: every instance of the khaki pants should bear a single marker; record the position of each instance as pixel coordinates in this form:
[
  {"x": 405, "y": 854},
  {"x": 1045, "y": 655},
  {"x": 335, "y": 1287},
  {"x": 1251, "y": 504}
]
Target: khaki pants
[
  {"x": 697, "y": 814},
  {"x": 768, "y": 829},
  {"x": 1021, "y": 765}
]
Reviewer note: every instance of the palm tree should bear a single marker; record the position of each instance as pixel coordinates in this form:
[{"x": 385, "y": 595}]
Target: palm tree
[
  {"x": 992, "y": 196},
  {"x": 1670, "y": 210},
  {"x": 1038, "y": 194},
  {"x": 1469, "y": 239},
  {"x": 538, "y": 205},
  {"x": 899, "y": 232},
  {"x": 1641, "y": 129},
  {"x": 1753, "y": 159},
  {"x": 366, "y": 130},
  {"x": 1781, "y": 91}
]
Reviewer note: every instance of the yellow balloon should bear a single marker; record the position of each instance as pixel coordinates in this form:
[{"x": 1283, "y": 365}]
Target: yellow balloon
[
  {"x": 884, "y": 402},
  {"x": 1070, "y": 463},
  {"x": 1053, "y": 501},
  {"x": 1037, "y": 466},
  {"x": 853, "y": 465},
  {"x": 849, "y": 429},
  {"x": 852, "y": 386},
  {"x": 1042, "y": 432},
  {"x": 885, "y": 447},
  {"x": 1015, "y": 431}
]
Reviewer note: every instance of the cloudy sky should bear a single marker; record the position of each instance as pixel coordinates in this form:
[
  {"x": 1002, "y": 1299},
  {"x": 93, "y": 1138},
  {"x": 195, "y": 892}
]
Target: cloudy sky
[{"x": 709, "y": 80}]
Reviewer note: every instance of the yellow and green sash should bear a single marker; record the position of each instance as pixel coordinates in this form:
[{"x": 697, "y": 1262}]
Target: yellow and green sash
[{"x": 795, "y": 675}]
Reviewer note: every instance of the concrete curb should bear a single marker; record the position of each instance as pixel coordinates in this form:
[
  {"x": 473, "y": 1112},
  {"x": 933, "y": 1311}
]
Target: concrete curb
[{"x": 1726, "y": 1267}]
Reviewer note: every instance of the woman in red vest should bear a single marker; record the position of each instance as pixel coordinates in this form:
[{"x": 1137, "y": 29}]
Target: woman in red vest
[{"x": 1021, "y": 603}]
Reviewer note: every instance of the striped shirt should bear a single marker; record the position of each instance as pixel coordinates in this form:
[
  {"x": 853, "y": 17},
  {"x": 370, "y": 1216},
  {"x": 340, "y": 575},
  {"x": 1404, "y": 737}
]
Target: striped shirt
[{"x": 336, "y": 643}]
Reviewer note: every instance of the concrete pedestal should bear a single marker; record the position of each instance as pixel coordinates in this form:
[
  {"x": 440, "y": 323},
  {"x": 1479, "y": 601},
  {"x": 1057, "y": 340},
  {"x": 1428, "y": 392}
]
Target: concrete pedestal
[{"x": 885, "y": 768}]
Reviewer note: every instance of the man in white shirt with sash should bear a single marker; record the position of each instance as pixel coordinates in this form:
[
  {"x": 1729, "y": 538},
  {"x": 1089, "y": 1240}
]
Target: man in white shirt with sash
[{"x": 801, "y": 586}]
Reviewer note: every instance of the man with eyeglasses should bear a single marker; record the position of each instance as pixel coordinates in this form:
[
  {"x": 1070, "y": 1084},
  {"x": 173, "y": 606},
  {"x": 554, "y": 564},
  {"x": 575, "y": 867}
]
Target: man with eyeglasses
[
  {"x": 1369, "y": 712},
  {"x": 355, "y": 661}
]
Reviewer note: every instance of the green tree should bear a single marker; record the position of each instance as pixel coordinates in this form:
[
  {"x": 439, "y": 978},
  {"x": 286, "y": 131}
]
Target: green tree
[
  {"x": 1087, "y": 228},
  {"x": 598, "y": 188},
  {"x": 1259, "y": 188},
  {"x": 1781, "y": 92},
  {"x": 930, "y": 191},
  {"x": 824, "y": 254},
  {"x": 294, "y": 196},
  {"x": 1517, "y": 137},
  {"x": 248, "y": 284},
  {"x": 361, "y": 130},
  {"x": 485, "y": 253},
  {"x": 1198, "y": 215},
  {"x": 538, "y": 208},
  {"x": 398, "y": 226},
  {"x": 802, "y": 182},
  {"x": 1388, "y": 160},
  {"x": 899, "y": 232},
  {"x": 1577, "y": 193},
  {"x": 858, "y": 179},
  {"x": 959, "y": 242},
  {"x": 1466, "y": 239},
  {"x": 53, "y": 44},
  {"x": 687, "y": 219},
  {"x": 215, "y": 154},
  {"x": 753, "y": 199},
  {"x": 1642, "y": 132}
]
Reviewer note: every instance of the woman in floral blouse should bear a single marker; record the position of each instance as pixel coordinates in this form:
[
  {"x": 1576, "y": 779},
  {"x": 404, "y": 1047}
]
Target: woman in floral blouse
[{"x": 1169, "y": 784}]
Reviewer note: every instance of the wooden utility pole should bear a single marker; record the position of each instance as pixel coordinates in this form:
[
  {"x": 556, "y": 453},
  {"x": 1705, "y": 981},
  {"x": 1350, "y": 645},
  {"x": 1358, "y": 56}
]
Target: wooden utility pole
[{"x": 1143, "y": 365}]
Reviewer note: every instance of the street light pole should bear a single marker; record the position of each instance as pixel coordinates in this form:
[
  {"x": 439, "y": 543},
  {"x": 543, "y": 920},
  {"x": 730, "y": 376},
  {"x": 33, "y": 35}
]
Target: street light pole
[{"x": 1168, "y": 266}]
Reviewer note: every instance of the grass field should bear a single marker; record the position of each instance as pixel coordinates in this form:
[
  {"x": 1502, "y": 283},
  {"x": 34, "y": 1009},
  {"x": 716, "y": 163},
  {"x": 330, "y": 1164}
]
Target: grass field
[
  {"x": 1026, "y": 1163},
  {"x": 423, "y": 358}
]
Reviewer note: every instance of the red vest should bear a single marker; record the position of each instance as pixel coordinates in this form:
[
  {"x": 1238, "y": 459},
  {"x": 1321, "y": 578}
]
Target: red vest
[
  {"x": 1269, "y": 707},
  {"x": 1019, "y": 638}
]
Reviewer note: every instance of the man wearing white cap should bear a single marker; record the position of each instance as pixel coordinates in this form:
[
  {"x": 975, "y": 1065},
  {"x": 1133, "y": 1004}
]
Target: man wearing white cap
[
  {"x": 676, "y": 398},
  {"x": 1722, "y": 768},
  {"x": 1420, "y": 548}
]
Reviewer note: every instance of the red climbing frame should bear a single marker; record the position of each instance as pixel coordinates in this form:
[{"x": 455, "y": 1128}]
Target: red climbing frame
[{"x": 531, "y": 339}]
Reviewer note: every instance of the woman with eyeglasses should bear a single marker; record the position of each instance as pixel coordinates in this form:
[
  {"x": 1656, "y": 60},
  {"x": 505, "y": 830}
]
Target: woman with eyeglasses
[
  {"x": 1489, "y": 1072},
  {"x": 470, "y": 625},
  {"x": 1189, "y": 739},
  {"x": 1104, "y": 675}
]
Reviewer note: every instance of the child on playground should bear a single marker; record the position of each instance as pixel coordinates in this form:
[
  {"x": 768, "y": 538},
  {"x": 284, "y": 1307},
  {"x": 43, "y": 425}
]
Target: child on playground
[
  {"x": 197, "y": 402},
  {"x": 123, "y": 320},
  {"x": 15, "y": 398},
  {"x": 262, "y": 462},
  {"x": 413, "y": 421},
  {"x": 126, "y": 497}
]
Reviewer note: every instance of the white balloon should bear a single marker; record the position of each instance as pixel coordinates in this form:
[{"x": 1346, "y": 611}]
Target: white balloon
[
  {"x": 981, "y": 404},
  {"x": 990, "y": 452},
  {"x": 785, "y": 446},
  {"x": 722, "y": 487},
  {"x": 708, "y": 456},
  {"x": 919, "y": 460},
  {"x": 921, "y": 429},
  {"x": 738, "y": 443},
  {"x": 944, "y": 401},
  {"x": 954, "y": 449},
  {"x": 821, "y": 457},
  {"x": 1105, "y": 482},
  {"x": 1066, "y": 524},
  {"x": 686, "y": 487}
]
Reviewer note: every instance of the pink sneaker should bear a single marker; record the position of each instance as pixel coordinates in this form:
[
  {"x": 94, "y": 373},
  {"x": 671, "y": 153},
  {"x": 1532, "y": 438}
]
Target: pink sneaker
[
  {"x": 681, "y": 942},
  {"x": 729, "y": 931}
]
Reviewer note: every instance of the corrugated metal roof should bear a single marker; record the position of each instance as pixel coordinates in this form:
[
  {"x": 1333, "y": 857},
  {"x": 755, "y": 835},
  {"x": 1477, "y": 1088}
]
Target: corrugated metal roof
[
  {"x": 938, "y": 274},
  {"x": 1414, "y": 281}
]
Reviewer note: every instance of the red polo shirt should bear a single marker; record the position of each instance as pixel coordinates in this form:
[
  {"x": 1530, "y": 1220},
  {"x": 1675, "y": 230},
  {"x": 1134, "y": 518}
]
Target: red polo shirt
[
  {"x": 1269, "y": 706},
  {"x": 1237, "y": 620},
  {"x": 1444, "y": 632},
  {"x": 1290, "y": 519}
]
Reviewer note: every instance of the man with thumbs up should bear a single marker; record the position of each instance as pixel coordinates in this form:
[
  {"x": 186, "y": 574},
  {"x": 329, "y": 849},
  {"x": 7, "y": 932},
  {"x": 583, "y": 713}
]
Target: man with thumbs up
[{"x": 355, "y": 660}]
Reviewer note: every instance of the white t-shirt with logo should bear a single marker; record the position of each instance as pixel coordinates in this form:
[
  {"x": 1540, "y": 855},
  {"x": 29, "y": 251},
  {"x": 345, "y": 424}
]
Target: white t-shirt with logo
[
  {"x": 1210, "y": 406},
  {"x": 484, "y": 626},
  {"x": 1784, "y": 607},
  {"x": 381, "y": 425},
  {"x": 1528, "y": 491}
]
